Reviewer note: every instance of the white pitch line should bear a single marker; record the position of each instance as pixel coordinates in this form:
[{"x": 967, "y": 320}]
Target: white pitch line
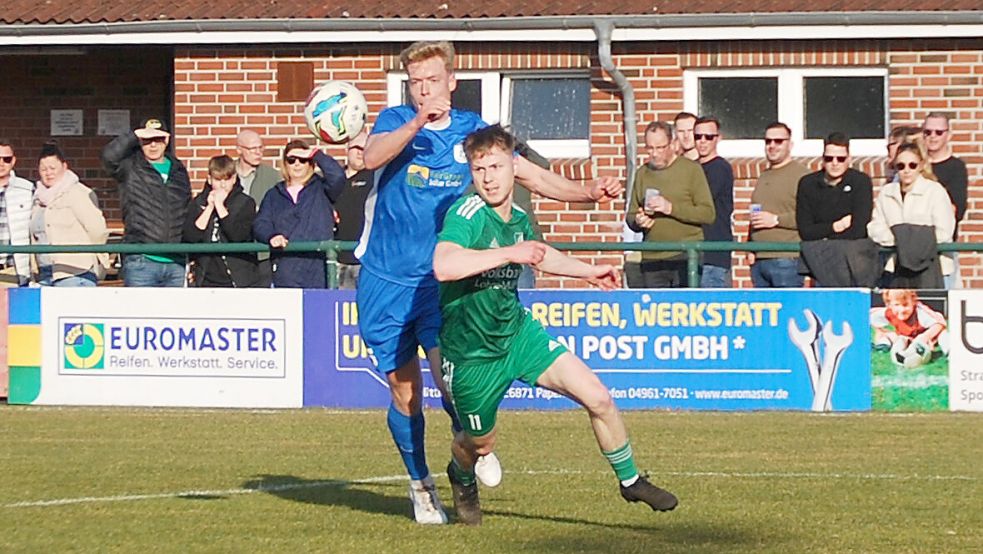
[{"x": 397, "y": 478}]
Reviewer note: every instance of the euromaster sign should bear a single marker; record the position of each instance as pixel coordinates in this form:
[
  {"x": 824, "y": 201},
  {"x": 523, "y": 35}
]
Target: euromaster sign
[
  {"x": 170, "y": 347},
  {"x": 679, "y": 349}
]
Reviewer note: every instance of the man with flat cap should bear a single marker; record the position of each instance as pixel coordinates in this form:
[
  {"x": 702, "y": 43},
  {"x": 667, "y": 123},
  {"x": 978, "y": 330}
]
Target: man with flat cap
[{"x": 154, "y": 192}]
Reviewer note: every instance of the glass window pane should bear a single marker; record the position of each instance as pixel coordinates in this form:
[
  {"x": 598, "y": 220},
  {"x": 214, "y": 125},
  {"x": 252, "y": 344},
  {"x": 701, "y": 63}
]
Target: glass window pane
[
  {"x": 467, "y": 96},
  {"x": 850, "y": 105},
  {"x": 551, "y": 109},
  {"x": 743, "y": 105}
]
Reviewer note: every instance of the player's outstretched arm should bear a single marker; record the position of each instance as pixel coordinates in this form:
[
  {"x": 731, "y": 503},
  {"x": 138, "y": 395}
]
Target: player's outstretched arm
[
  {"x": 552, "y": 185},
  {"x": 383, "y": 147},
  {"x": 605, "y": 277},
  {"x": 453, "y": 262}
]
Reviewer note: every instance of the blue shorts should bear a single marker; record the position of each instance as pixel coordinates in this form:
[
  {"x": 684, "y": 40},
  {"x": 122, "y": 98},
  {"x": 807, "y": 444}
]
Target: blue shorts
[{"x": 395, "y": 319}]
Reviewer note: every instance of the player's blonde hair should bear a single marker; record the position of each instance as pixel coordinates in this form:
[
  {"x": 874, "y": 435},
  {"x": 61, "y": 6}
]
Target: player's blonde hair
[
  {"x": 900, "y": 295},
  {"x": 482, "y": 141},
  {"x": 424, "y": 50}
]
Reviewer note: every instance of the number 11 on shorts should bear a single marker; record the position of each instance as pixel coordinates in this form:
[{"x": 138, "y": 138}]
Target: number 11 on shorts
[{"x": 475, "y": 421}]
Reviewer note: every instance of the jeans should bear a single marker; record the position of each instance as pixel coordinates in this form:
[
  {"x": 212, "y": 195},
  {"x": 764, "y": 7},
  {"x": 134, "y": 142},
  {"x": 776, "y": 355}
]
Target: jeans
[
  {"x": 953, "y": 280},
  {"x": 87, "y": 279},
  {"x": 527, "y": 279},
  {"x": 776, "y": 273},
  {"x": 140, "y": 271},
  {"x": 715, "y": 277}
]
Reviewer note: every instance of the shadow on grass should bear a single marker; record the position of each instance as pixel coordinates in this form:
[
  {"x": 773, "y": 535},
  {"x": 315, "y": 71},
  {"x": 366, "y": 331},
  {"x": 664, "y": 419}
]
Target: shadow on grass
[
  {"x": 665, "y": 529},
  {"x": 330, "y": 492}
]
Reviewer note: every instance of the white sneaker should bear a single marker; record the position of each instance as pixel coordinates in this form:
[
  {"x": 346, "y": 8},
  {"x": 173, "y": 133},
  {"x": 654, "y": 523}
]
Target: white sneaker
[
  {"x": 427, "y": 508},
  {"x": 488, "y": 470}
]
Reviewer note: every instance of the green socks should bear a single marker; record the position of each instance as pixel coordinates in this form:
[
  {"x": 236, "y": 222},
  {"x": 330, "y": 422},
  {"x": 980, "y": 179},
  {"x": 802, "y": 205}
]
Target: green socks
[
  {"x": 461, "y": 476},
  {"x": 622, "y": 462}
]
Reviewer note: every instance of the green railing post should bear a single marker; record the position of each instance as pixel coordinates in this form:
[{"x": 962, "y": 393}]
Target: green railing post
[
  {"x": 693, "y": 267},
  {"x": 331, "y": 263}
]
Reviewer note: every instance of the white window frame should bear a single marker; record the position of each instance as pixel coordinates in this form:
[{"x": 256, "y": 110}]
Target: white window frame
[
  {"x": 496, "y": 105},
  {"x": 790, "y": 108}
]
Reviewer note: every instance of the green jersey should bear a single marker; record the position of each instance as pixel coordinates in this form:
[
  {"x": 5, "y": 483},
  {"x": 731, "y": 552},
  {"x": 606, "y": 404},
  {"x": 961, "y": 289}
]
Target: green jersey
[{"x": 481, "y": 313}]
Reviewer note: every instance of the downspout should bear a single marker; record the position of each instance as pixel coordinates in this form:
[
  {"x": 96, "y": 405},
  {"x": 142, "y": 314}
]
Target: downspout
[{"x": 603, "y": 29}]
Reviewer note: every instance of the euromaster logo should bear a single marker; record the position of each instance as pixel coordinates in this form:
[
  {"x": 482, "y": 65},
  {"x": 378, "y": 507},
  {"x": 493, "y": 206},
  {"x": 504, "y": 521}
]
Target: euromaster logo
[{"x": 84, "y": 345}]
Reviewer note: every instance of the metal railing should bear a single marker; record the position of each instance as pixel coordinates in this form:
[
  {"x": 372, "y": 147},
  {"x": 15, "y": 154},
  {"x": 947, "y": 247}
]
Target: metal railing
[{"x": 330, "y": 248}]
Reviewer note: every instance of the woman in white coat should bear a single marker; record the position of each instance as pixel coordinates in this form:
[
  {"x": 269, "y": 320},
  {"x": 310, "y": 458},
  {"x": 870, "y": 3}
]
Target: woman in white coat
[
  {"x": 916, "y": 199},
  {"x": 65, "y": 212}
]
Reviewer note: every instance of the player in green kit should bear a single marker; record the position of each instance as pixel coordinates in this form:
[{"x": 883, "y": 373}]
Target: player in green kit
[{"x": 488, "y": 340}]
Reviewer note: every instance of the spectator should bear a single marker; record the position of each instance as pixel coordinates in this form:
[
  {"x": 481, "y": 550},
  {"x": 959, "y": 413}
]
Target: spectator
[
  {"x": 720, "y": 176},
  {"x": 773, "y": 211},
  {"x": 350, "y": 209},
  {"x": 256, "y": 178},
  {"x": 914, "y": 200},
  {"x": 66, "y": 212},
  {"x": 835, "y": 203},
  {"x": 951, "y": 173},
  {"x": 670, "y": 202},
  {"x": 222, "y": 213},
  {"x": 154, "y": 193},
  {"x": 898, "y": 136},
  {"x": 16, "y": 196},
  {"x": 300, "y": 208},
  {"x": 685, "y": 144}
]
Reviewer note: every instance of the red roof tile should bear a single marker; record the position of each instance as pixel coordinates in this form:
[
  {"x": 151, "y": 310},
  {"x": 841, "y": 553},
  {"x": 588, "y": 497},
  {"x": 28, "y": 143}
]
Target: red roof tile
[{"x": 101, "y": 11}]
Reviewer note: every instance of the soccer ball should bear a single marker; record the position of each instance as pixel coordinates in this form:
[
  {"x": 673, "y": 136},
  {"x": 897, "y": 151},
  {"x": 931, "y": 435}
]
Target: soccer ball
[
  {"x": 909, "y": 354},
  {"x": 335, "y": 111}
]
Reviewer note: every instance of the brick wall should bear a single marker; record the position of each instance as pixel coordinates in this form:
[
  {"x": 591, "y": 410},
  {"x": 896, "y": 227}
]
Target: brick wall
[
  {"x": 135, "y": 79},
  {"x": 219, "y": 91}
]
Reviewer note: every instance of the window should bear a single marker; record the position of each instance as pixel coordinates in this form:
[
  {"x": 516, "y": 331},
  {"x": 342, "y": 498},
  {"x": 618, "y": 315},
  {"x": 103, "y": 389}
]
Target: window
[
  {"x": 813, "y": 102},
  {"x": 551, "y": 112}
]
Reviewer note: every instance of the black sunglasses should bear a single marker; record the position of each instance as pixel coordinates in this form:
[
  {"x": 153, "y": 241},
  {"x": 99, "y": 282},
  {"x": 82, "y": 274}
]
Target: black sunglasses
[
  {"x": 294, "y": 159},
  {"x": 775, "y": 140},
  {"x": 152, "y": 140},
  {"x": 839, "y": 159},
  {"x": 705, "y": 136},
  {"x": 938, "y": 132},
  {"x": 901, "y": 165},
  {"x": 7, "y": 159}
]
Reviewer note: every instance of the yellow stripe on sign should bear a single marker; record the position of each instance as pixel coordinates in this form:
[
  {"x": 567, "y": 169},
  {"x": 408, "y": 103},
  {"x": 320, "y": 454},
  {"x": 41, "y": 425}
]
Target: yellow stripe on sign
[{"x": 24, "y": 345}]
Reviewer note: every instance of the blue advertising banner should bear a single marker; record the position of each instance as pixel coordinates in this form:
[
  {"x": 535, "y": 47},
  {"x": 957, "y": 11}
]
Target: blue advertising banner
[{"x": 656, "y": 349}]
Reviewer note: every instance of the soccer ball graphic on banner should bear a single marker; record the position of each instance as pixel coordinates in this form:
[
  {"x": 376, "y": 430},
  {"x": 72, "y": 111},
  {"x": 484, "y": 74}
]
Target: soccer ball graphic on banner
[
  {"x": 335, "y": 111},
  {"x": 909, "y": 354}
]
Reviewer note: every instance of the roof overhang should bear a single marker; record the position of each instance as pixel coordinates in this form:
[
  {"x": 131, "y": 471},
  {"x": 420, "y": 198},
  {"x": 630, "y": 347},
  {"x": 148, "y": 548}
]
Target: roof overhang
[{"x": 776, "y": 26}]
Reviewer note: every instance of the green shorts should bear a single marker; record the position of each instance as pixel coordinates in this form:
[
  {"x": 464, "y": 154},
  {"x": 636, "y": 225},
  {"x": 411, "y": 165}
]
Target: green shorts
[{"x": 476, "y": 390}]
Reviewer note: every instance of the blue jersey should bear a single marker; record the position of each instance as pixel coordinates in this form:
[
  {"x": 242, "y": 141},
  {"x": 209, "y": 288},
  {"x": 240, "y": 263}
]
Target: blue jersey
[{"x": 412, "y": 193}]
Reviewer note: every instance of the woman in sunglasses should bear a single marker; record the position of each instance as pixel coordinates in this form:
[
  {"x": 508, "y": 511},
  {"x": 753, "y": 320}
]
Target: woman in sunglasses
[
  {"x": 65, "y": 212},
  {"x": 300, "y": 208},
  {"x": 915, "y": 203}
]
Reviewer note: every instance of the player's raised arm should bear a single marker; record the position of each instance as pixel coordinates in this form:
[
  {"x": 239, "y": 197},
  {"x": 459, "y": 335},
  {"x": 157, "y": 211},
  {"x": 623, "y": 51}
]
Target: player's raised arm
[
  {"x": 552, "y": 185},
  {"x": 605, "y": 277},
  {"x": 453, "y": 262}
]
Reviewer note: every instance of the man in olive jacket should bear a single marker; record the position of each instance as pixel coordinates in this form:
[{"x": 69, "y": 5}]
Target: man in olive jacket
[
  {"x": 154, "y": 193},
  {"x": 670, "y": 202}
]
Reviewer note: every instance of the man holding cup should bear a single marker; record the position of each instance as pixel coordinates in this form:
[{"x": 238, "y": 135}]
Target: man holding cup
[{"x": 670, "y": 202}]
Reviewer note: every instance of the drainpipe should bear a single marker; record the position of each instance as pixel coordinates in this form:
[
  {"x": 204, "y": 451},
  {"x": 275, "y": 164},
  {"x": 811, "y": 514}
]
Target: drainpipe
[{"x": 603, "y": 30}]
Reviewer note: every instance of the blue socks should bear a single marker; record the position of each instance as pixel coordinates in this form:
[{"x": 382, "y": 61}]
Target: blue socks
[{"x": 407, "y": 432}]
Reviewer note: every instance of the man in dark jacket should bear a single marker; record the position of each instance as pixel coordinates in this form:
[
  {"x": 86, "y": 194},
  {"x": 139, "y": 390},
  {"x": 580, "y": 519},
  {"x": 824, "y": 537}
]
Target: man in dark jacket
[
  {"x": 154, "y": 192},
  {"x": 222, "y": 212}
]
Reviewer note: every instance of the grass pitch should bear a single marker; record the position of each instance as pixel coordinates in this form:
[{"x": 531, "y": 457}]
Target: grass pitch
[{"x": 143, "y": 480}]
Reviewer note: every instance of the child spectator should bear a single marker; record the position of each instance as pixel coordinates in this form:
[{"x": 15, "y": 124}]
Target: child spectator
[{"x": 222, "y": 213}]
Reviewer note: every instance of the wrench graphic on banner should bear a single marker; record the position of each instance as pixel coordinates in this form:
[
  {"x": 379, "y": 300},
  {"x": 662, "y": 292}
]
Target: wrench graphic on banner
[{"x": 822, "y": 367}]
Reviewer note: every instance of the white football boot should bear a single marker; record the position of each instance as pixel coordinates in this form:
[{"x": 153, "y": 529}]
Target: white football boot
[
  {"x": 488, "y": 470},
  {"x": 427, "y": 508}
]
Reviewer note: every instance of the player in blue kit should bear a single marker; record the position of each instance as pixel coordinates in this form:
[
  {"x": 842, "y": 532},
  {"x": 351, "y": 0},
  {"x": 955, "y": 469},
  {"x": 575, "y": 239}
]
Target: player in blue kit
[{"x": 420, "y": 170}]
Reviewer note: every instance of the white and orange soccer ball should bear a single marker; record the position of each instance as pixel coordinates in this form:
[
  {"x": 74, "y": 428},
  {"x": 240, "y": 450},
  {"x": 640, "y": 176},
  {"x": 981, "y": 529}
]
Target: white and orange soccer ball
[{"x": 335, "y": 111}]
